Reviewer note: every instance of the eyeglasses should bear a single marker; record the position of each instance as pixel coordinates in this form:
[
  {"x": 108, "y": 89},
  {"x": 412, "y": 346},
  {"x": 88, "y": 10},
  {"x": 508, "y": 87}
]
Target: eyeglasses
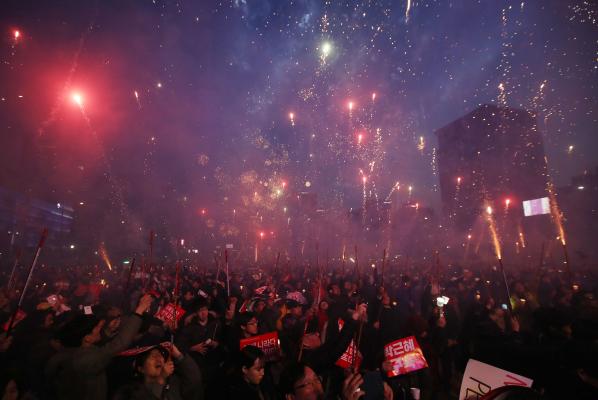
[{"x": 316, "y": 380}]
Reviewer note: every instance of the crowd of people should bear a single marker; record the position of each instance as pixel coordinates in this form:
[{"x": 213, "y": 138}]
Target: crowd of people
[{"x": 89, "y": 332}]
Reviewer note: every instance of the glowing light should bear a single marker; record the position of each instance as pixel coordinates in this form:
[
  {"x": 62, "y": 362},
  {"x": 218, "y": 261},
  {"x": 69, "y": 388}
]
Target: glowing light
[
  {"x": 292, "y": 118},
  {"x": 507, "y": 203},
  {"x": 458, "y": 180},
  {"x": 364, "y": 179},
  {"x": 407, "y": 9},
  {"x": 325, "y": 50},
  {"x": 284, "y": 184},
  {"x": 262, "y": 235},
  {"x": 104, "y": 255},
  {"x": 570, "y": 149},
  {"x": 374, "y": 96},
  {"x": 350, "y": 105},
  {"x": 468, "y": 237},
  {"x": 359, "y": 138},
  {"x": 17, "y": 34},
  {"x": 77, "y": 99},
  {"x": 136, "y": 95},
  {"x": 159, "y": 85},
  {"x": 556, "y": 213},
  {"x": 307, "y": 184},
  {"x": 493, "y": 233},
  {"x": 422, "y": 144}
]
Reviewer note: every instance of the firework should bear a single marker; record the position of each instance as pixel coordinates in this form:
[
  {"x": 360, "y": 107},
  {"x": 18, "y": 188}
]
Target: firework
[
  {"x": 407, "y": 10},
  {"x": 77, "y": 99},
  {"x": 325, "y": 50},
  {"x": 493, "y": 233},
  {"x": 104, "y": 254},
  {"x": 421, "y": 145},
  {"x": 556, "y": 213},
  {"x": 292, "y": 118}
]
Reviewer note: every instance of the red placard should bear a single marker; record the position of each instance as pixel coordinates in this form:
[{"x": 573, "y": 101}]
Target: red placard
[
  {"x": 166, "y": 313},
  {"x": 138, "y": 350},
  {"x": 18, "y": 318},
  {"x": 406, "y": 356},
  {"x": 268, "y": 342},
  {"x": 346, "y": 359}
]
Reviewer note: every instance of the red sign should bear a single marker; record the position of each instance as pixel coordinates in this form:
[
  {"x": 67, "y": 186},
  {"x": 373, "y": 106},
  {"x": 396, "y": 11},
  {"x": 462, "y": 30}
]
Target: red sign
[
  {"x": 406, "y": 356},
  {"x": 166, "y": 313},
  {"x": 351, "y": 357},
  {"x": 18, "y": 318},
  {"x": 268, "y": 343},
  {"x": 138, "y": 350}
]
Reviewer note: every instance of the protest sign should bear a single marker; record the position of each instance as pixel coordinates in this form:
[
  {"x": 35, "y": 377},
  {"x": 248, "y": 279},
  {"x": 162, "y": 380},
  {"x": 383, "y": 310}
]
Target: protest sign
[
  {"x": 480, "y": 378},
  {"x": 351, "y": 357},
  {"x": 268, "y": 343},
  {"x": 166, "y": 313},
  {"x": 406, "y": 356}
]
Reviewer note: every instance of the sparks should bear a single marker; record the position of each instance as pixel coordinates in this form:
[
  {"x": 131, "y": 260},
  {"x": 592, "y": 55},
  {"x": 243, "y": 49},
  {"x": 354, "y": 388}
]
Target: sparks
[
  {"x": 493, "y": 233},
  {"x": 325, "y": 50},
  {"x": 17, "y": 34},
  {"x": 374, "y": 96},
  {"x": 422, "y": 144},
  {"x": 359, "y": 138},
  {"x": 350, "y": 105},
  {"x": 292, "y": 118},
  {"x": 407, "y": 9}
]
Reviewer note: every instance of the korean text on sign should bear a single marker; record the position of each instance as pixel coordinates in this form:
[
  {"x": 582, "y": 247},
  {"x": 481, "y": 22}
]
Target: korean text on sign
[{"x": 405, "y": 355}]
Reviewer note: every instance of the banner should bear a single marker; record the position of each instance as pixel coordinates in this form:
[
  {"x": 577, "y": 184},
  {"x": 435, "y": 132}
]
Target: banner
[
  {"x": 480, "y": 378},
  {"x": 406, "y": 356},
  {"x": 346, "y": 359},
  {"x": 268, "y": 343},
  {"x": 166, "y": 313}
]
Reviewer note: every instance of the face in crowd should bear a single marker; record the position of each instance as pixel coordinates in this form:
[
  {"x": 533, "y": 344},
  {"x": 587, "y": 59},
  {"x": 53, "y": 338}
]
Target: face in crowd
[
  {"x": 153, "y": 366},
  {"x": 251, "y": 327},
  {"x": 255, "y": 373},
  {"x": 308, "y": 387},
  {"x": 202, "y": 314}
]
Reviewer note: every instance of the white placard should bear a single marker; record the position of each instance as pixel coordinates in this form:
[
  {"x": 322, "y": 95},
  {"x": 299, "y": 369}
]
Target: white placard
[{"x": 480, "y": 378}]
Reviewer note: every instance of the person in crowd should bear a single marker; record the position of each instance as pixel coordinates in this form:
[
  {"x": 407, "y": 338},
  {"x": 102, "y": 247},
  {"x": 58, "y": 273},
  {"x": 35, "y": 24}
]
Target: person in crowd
[
  {"x": 163, "y": 375},
  {"x": 247, "y": 380},
  {"x": 78, "y": 371}
]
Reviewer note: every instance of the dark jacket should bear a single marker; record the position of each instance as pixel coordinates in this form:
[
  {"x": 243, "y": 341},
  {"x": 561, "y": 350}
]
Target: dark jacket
[{"x": 79, "y": 373}]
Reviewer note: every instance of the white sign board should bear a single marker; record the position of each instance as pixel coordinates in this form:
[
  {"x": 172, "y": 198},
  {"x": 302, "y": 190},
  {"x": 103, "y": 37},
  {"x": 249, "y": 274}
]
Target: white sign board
[{"x": 480, "y": 378}]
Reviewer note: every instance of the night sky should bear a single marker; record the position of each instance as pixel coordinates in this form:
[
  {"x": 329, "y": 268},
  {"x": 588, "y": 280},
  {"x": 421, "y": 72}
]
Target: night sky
[{"x": 211, "y": 116}]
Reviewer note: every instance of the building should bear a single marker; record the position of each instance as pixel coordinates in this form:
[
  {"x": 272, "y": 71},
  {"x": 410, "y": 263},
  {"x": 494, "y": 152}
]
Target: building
[
  {"x": 22, "y": 219},
  {"x": 491, "y": 156}
]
